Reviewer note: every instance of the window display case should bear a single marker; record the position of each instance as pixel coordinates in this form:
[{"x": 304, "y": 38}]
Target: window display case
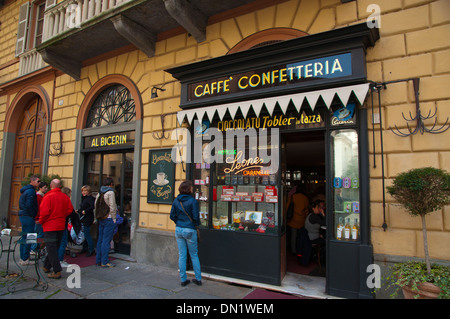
[
  {"x": 201, "y": 181},
  {"x": 238, "y": 191},
  {"x": 345, "y": 185},
  {"x": 245, "y": 207}
]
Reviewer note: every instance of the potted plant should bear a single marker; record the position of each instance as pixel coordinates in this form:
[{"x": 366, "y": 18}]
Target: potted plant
[{"x": 422, "y": 191}]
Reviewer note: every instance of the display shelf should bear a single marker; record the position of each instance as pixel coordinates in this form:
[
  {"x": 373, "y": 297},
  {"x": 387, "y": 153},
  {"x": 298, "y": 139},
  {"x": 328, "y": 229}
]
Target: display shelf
[{"x": 201, "y": 180}]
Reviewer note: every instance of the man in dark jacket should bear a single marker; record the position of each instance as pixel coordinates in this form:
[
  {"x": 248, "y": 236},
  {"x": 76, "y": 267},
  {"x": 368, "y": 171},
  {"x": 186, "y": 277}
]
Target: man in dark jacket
[{"x": 28, "y": 208}]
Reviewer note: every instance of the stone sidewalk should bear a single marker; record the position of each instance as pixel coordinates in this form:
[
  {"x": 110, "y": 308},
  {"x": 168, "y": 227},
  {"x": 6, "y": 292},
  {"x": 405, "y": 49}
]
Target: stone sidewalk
[{"x": 132, "y": 280}]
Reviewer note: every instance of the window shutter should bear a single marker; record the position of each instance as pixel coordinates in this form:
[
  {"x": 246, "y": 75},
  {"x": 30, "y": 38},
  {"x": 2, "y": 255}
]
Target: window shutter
[
  {"x": 22, "y": 29},
  {"x": 49, "y": 3}
]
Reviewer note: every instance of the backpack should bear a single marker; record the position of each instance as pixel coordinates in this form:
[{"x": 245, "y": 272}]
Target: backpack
[{"x": 101, "y": 208}]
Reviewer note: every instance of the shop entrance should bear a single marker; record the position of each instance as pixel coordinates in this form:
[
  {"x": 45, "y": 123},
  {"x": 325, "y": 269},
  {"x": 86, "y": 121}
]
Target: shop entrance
[
  {"x": 118, "y": 166},
  {"x": 303, "y": 170}
]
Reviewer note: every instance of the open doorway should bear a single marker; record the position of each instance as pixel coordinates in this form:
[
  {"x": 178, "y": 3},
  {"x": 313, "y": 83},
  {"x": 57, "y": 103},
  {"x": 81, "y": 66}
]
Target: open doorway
[
  {"x": 118, "y": 166},
  {"x": 303, "y": 170}
]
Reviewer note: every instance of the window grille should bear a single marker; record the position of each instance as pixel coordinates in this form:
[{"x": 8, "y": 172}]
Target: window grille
[{"x": 113, "y": 105}]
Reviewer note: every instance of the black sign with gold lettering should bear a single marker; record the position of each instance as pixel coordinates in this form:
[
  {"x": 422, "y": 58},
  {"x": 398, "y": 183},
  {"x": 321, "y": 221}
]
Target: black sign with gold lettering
[
  {"x": 109, "y": 141},
  {"x": 161, "y": 177},
  {"x": 329, "y": 67}
]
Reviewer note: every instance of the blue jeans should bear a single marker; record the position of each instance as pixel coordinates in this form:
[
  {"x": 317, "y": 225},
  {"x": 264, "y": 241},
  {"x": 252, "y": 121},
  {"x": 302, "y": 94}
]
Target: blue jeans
[
  {"x": 187, "y": 240},
  {"x": 105, "y": 235},
  {"x": 63, "y": 245},
  {"x": 88, "y": 238},
  {"x": 27, "y": 227},
  {"x": 40, "y": 234}
]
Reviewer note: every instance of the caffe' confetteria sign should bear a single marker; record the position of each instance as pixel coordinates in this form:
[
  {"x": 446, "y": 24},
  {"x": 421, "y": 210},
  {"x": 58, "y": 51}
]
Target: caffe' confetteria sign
[{"x": 320, "y": 68}]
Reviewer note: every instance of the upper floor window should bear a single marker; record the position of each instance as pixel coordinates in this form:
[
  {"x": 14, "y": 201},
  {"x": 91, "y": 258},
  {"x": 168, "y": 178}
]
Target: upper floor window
[
  {"x": 113, "y": 105},
  {"x": 39, "y": 24},
  {"x": 31, "y": 25}
]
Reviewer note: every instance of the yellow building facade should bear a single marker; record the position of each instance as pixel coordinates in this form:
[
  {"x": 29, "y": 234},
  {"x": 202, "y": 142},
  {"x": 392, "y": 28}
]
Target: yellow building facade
[{"x": 413, "y": 43}]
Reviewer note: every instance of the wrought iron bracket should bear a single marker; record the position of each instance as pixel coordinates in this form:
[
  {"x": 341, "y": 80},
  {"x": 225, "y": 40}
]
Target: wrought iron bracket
[
  {"x": 58, "y": 148},
  {"x": 419, "y": 118},
  {"x": 162, "y": 135}
]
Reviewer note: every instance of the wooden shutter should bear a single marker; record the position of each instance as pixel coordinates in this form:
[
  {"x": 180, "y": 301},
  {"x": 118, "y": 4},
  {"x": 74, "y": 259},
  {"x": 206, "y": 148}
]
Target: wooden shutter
[
  {"x": 49, "y": 3},
  {"x": 22, "y": 29}
]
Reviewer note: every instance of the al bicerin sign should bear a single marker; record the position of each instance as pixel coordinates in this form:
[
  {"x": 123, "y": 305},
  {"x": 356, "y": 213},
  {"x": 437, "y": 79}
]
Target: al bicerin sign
[{"x": 308, "y": 70}]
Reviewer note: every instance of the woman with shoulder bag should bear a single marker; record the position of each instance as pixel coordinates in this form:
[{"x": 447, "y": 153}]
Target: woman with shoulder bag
[
  {"x": 185, "y": 214},
  {"x": 86, "y": 213}
]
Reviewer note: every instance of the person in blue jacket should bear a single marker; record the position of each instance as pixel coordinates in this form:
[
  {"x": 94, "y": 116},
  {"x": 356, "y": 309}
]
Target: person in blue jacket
[
  {"x": 185, "y": 231},
  {"x": 28, "y": 208}
]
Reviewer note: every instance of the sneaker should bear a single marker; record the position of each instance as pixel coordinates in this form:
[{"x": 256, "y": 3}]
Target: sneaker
[
  {"x": 24, "y": 262},
  {"x": 185, "y": 283},
  {"x": 197, "y": 282},
  {"x": 64, "y": 264},
  {"x": 54, "y": 275},
  {"x": 108, "y": 265}
]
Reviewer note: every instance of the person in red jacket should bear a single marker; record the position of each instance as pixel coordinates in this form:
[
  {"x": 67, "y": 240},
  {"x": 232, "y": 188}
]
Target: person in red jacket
[{"x": 54, "y": 209}]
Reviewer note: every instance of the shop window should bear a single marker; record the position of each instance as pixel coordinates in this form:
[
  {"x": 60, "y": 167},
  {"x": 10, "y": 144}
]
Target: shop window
[
  {"x": 113, "y": 105},
  {"x": 245, "y": 179},
  {"x": 344, "y": 150}
]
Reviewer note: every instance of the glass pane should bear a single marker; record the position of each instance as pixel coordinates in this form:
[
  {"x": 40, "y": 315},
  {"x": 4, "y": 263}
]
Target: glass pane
[
  {"x": 125, "y": 205},
  {"x": 201, "y": 178},
  {"x": 112, "y": 164},
  {"x": 93, "y": 172},
  {"x": 246, "y": 187},
  {"x": 344, "y": 150}
]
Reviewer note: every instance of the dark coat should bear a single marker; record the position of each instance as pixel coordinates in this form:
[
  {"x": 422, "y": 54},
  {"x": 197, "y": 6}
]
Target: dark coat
[
  {"x": 28, "y": 205},
  {"x": 87, "y": 204},
  {"x": 178, "y": 215}
]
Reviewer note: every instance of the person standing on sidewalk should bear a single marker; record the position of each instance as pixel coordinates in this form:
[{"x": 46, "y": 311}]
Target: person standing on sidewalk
[
  {"x": 86, "y": 213},
  {"x": 54, "y": 210},
  {"x": 185, "y": 214},
  {"x": 106, "y": 225},
  {"x": 28, "y": 208},
  {"x": 42, "y": 189}
]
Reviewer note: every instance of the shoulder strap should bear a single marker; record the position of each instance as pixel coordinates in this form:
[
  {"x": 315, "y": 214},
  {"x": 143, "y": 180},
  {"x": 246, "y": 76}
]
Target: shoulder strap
[{"x": 185, "y": 211}]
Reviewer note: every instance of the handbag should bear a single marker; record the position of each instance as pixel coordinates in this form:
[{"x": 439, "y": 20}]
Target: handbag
[{"x": 196, "y": 227}]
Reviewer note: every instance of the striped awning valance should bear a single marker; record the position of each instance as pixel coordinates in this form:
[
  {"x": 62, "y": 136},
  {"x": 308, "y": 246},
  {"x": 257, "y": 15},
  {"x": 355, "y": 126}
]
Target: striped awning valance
[{"x": 360, "y": 92}]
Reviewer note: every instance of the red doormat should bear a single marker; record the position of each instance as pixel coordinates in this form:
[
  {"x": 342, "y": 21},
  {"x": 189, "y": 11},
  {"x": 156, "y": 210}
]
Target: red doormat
[
  {"x": 267, "y": 294},
  {"x": 294, "y": 266},
  {"x": 83, "y": 261}
]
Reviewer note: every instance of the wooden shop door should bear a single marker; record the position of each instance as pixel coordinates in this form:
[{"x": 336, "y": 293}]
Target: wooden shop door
[{"x": 28, "y": 154}]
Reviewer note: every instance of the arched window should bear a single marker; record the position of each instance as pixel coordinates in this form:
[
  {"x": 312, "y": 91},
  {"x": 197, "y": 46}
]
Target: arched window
[
  {"x": 113, "y": 105},
  {"x": 266, "y": 37}
]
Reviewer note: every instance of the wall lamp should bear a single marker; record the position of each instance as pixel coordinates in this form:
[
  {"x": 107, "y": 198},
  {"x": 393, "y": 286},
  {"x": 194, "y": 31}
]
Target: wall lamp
[{"x": 155, "y": 91}]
